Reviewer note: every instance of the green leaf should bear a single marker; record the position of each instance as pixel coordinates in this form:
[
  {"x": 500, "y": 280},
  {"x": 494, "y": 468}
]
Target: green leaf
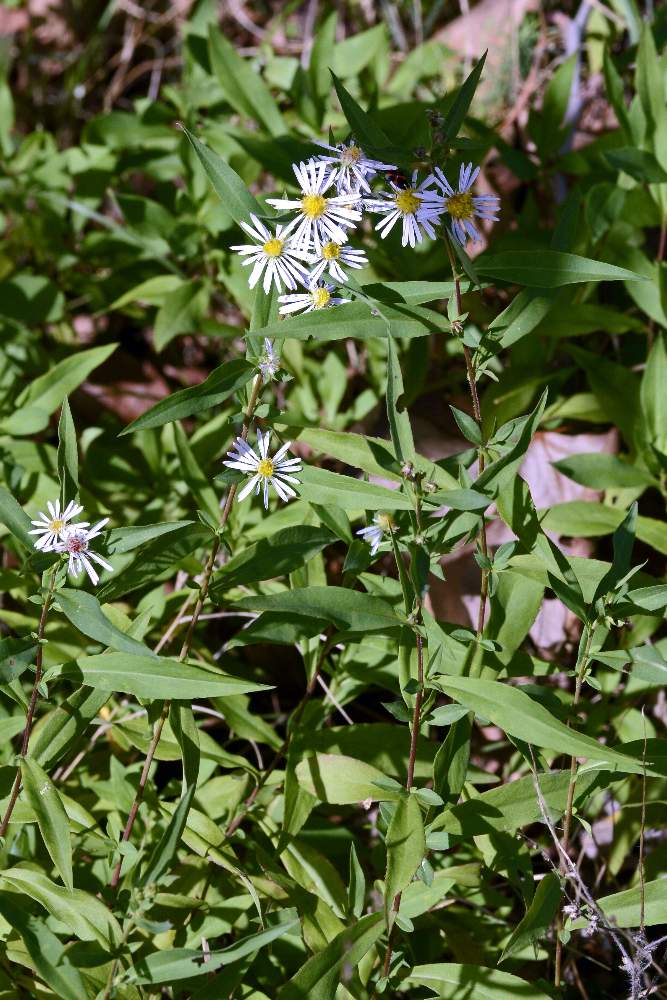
[
  {"x": 186, "y": 963},
  {"x": 453, "y": 981},
  {"x": 159, "y": 557},
  {"x": 58, "y": 732},
  {"x": 602, "y": 472},
  {"x": 219, "y": 386},
  {"x": 181, "y": 312},
  {"x": 43, "y": 396},
  {"x": 455, "y": 116},
  {"x": 327, "y": 488},
  {"x": 51, "y": 817},
  {"x": 516, "y": 712},
  {"x": 85, "y": 915},
  {"x": 467, "y": 425},
  {"x": 638, "y": 163},
  {"x": 512, "y": 806},
  {"x": 538, "y": 919},
  {"x": 348, "y": 610},
  {"x": 406, "y": 846},
  {"x": 356, "y": 893},
  {"x": 16, "y": 655},
  {"x": 15, "y": 519},
  {"x": 623, "y": 909},
  {"x": 364, "y": 129},
  {"x": 120, "y": 540},
  {"x": 165, "y": 849},
  {"x": 153, "y": 677},
  {"x": 85, "y": 613},
  {"x": 652, "y": 396},
  {"x": 194, "y": 478},
  {"x": 648, "y": 664},
  {"x": 229, "y": 187},
  {"x": 242, "y": 84},
  {"x": 279, "y": 554},
  {"x": 549, "y": 268},
  {"x": 399, "y": 419},
  {"x": 649, "y": 600},
  {"x": 461, "y": 499},
  {"x": 68, "y": 456},
  {"x": 611, "y": 382},
  {"x": 319, "y": 977},
  {"x": 355, "y": 319},
  {"x": 43, "y": 947},
  {"x": 152, "y": 291},
  {"x": 344, "y": 780}
]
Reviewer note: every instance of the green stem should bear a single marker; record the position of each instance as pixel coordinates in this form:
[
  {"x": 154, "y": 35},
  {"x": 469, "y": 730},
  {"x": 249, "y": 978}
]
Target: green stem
[{"x": 33, "y": 700}]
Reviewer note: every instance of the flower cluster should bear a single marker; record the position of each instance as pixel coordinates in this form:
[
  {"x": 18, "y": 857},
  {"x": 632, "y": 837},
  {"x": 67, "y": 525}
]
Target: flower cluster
[
  {"x": 334, "y": 191},
  {"x": 58, "y": 532}
]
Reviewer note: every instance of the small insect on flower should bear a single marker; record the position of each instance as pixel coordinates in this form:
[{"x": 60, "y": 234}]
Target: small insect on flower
[
  {"x": 320, "y": 219},
  {"x": 417, "y": 206},
  {"x": 75, "y": 543},
  {"x": 274, "y": 256},
  {"x": 268, "y": 363},
  {"x": 52, "y": 527},
  {"x": 318, "y": 296},
  {"x": 263, "y": 470},
  {"x": 463, "y": 206},
  {"x": 330, "y": 258},
  {"x": 374, "y": 533},
  {"x": 352, "y": 168}
]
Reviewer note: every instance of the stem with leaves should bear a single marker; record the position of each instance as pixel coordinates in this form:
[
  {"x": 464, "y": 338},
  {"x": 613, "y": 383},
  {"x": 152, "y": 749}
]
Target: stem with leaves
[
  {"x": 48, "y": 599},
  {"x": 187, "y": 642},
  {"x": 471, "y": 375},
  {"x": 582, "y": 666}
]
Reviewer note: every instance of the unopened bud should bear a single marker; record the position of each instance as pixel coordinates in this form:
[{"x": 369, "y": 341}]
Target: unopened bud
[
  {"x": 429, "y": 486},
  {"x": 408, "y": 470}
]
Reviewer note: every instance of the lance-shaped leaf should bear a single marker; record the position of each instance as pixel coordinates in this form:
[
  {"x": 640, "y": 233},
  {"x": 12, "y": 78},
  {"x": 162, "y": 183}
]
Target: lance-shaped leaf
[
  {"x": 549, "y": 268},
  {"x": 459, "y": 109},
  {"x": 226, "y": 182},
  {"x": 327, "y": 488},
  {"x": 85, "y": 613},
  {"x": 51, "y": 817},
  {"x": 399, "y": 419},
  {"x": 452, "y": 981},
  {"x": 243, "y": 86},
  {"x": 538, "y": 918},
  {"x": 68, "y": 456},
  {"x": 279, "y": 554},
  {"x": 348, "y": 610},
  {"x": 406, "y": 846}
]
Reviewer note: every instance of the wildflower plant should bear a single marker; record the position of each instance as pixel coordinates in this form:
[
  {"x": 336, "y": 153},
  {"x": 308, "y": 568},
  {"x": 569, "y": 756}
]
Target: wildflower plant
[{"x": 260, "y": 739}]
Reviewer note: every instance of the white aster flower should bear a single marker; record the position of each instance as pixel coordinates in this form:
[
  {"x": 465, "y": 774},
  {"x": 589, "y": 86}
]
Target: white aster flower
[
  {"x": 320, "y": 219},
  {"x": 330, "y": 257},
  {"x": 463, "y": 206},
  {"x": 75, "y": 542},
  {"x": 318, "y": 296},
  {"x": 264, "y": 471},
  {"x": 269, "y": 362},
  {"x": 352, "y": 168},
  {"x": 416, "y": 206},
  {"x": 374, "y": 533},
  {"x": 52, "y": 527},
  {"x": 274, "y": 256}
]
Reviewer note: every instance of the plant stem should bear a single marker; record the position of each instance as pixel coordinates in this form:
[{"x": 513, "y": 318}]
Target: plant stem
[
  {"x": 477, "y": 414},
  {"x": 33, "y": 702},
  {"x": 567, "y": 818},
  {"x": 409, "y": 782},
  {"x": 187, "y": 642}
]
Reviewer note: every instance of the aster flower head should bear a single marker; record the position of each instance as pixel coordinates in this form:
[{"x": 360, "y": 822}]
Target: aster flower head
[
  {"x": 320, "y": 218},
  {"x": 332, "y": 257},
  {"x": 272, "y": 255},
  {"x": 418, "y": 208},
  {"x": 375, "y": 531},
  {"x": 269, "y": 362},
  {"x": 263, "y": 470},
  {"x": 463, "y": 206},
  {"x": 75, "y": 543},
  {"x": 50, "y": 528},
  {"x": 352, "y": 168},
  {"x": 318, "y": 296}
]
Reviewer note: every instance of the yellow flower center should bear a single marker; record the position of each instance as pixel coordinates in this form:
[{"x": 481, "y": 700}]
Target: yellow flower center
[
  {"x": 331, "y": 251},
  {"x": 351, "y": 154},
  {"x": 320, "y": 297},
  {"x": 313, "y": 205},
  {"x": 460, "y": 206},
  {"x": 407, "y": 202},
  {"x": 265, "y": 468},
  {"x": 273, "y": 248},
  {"x": 385, "y": 521},
  {"x": 57, "y": 525}
]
